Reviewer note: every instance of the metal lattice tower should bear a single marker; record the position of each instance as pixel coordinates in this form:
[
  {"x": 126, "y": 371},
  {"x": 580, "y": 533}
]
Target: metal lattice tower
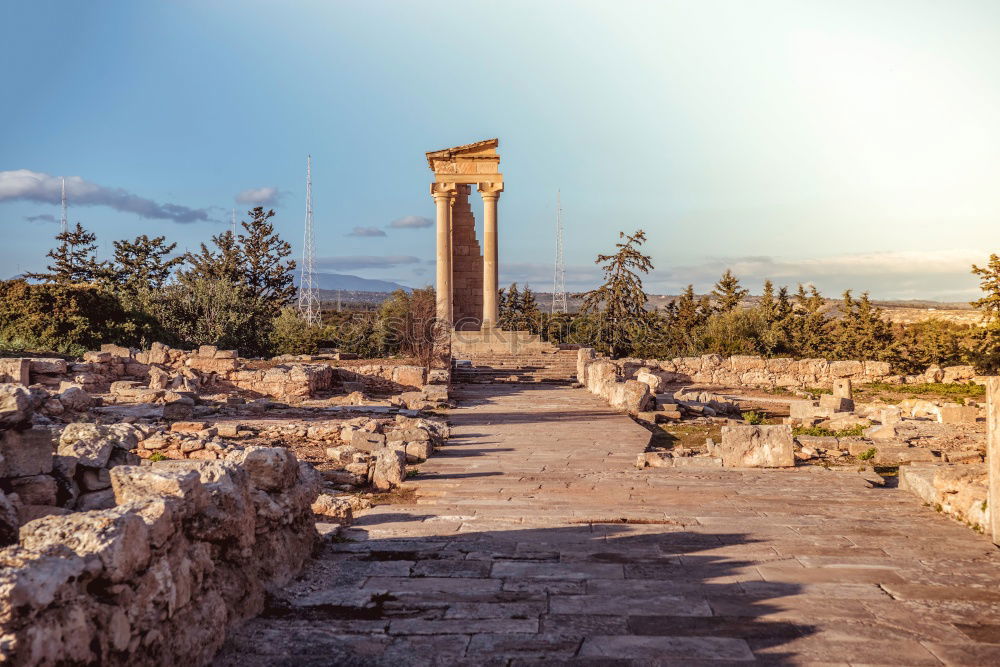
[
  {"x": 308, "y": 301},
  {"x": 64, "y": 220},
  {"x": 559, "y": 301},
  {"x": 233, "y": 222}
]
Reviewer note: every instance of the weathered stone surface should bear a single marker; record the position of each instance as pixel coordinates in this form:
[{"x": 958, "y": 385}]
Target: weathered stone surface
[
  {"x": 76, "y": 399},
  {"x": 522, "y": 538},
  {"x": 15, "y": 405},
  {"x": 959, "y": 414},
  {"x": 747, "y": 446},
  {"x": 836, "y": 403},
  {"x": 389, "y": 470},
  {"x": 270, "y": 468},
  {"x": 333, "y": 507},
  {"x": 9, "y": 522},
  {"x": 35, "y": 490},
  {"x": 410, "y": 376},
  {"x": 15, "y": 371},
  {"x": 367, "y": 442},
  {"x": 24, "y": 453},
  {"x": 91, "y": 444}
]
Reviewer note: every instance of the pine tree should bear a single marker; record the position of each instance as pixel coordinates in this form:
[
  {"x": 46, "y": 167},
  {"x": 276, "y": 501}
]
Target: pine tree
[
  {"x": 728, "y": 292},
  {"x": 767, "y": 306},
  {"x": 74, "y": 259},
  {"x": 142, "y": 264},
  {"x": 620, "y": 302},
  {"x": 265, "y": 270},
  {"x": 687, "y": 314},
  {"x": 530, "y": 316},
  {"x": 254, "y": 260},
  {"x": 509, "y": 307},
  {"x": 989, "y": 283}
]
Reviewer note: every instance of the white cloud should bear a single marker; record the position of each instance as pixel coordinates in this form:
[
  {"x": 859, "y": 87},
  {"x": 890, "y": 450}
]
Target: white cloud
[
  {"x": 899, "y": 274},
  {"x": 263, "y": 196},
  {"x": 411, "y": 222},
  {"x": 366, "y": 231},
  {"x": 27, "y": 185}
]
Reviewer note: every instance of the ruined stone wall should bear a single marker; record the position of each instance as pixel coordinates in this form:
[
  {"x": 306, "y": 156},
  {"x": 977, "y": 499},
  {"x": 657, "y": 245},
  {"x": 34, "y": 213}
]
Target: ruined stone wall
[
  {"x": 761, "y": 372},
  {"x": 467, "y": 265},
  {"x": 188, "y": 552}
]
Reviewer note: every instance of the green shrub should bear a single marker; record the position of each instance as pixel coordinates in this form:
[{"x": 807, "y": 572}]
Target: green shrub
[
  {"x": 868, "y": 454},
  {"x": 754, "y": 417}
]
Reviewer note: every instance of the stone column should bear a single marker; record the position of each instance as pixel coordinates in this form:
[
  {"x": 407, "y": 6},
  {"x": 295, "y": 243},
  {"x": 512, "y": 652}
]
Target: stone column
[
  {"x": 993, "y": 455},
  {"x": 442, "y": 194},
  {"x": 490, "y": 192}
]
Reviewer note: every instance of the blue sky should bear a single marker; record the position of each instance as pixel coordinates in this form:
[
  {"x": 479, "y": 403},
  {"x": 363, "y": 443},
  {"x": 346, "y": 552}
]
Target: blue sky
[{"x": 851, "y": 144}]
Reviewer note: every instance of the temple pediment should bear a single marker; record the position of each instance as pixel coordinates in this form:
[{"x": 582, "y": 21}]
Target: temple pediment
[{"x": 479, "y": 158}]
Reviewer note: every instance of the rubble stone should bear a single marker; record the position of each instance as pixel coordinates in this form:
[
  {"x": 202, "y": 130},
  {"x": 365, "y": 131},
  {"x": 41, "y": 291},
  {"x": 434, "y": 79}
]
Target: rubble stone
[{"x": 748, "y": 446}]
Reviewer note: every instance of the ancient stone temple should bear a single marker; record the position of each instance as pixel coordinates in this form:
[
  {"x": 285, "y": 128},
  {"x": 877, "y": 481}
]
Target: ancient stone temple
[{"x": 466, "y": 275}]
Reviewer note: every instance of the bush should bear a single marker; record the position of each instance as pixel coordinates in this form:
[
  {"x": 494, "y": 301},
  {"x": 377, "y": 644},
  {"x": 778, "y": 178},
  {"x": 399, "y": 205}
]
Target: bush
[
  {"x": 291, "y": 334},
  {"x": 65, "y": 319}
]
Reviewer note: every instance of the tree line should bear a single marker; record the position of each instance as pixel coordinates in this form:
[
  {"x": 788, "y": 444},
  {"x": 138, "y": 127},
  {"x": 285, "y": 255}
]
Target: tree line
[
  {"x": 237, "y": 290},
  {"x": 616, "y": 319}
]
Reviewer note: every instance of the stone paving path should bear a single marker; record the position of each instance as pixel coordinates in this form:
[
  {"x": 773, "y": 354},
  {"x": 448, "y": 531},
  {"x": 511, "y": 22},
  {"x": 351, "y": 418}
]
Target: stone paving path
[{"x": 533, "y": 540}]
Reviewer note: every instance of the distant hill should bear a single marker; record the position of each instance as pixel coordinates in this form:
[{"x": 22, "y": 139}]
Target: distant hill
[{"x": 343, "y": 281}]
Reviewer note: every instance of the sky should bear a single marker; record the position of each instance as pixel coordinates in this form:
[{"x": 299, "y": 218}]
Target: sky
[{"x": 848, "y": 144}]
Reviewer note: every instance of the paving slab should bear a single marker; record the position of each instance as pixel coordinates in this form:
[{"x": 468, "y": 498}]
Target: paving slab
[{"x": 532, "y": 539}]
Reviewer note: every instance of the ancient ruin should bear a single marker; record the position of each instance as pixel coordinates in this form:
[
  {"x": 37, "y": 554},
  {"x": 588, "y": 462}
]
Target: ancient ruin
[{"x": 528, "y": 502}]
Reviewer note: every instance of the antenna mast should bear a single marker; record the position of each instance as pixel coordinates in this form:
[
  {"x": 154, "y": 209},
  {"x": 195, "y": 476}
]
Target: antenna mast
[
  {"x": 559, "y": 300},
  {"x": 64, "y": 220},
  {"x": 308, "y": 301},
  {"x": 233, "y": 222}
]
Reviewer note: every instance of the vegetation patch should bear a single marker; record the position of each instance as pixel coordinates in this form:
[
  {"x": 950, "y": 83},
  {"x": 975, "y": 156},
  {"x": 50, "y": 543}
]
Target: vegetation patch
[{"x": 822, "y": 432}]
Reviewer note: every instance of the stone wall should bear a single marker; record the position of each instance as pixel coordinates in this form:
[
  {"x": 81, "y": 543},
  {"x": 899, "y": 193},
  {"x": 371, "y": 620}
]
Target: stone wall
[
  {"x": 188, "y": 552},
  {"x": 761, "y": 372}
]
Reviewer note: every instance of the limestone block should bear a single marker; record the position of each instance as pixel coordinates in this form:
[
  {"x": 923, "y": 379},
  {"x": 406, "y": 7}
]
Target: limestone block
[
  {"x": 958, "y": 414},
  {"x": 846, "y": 369},
  {"x": 366, "y": 441},
  {"x": 843, "y": 388},
  {"x": 226, "y": 354},
  {"x": 889, "y": 455},
  {"x": 389, "y": 470},
  {"x": 876, "y": 370},
  {"x": 749, "y": 446},
  {"x": 740, "y": 363},
  {"x": 117, "y": 537},
  {"x": 781, "y": 366},
  {"x": 934, "y": 373},
  {"x": 15, "y": 405},
  {"x": 35, "y": 490},
  {"x": 410, "y": 376},
  {"x": 16, "y": 370},
  {"x": 90, "y": 444},
  {"x": 269, "y": 468},
  {"x": 418, "y": 450},
  {"x": 333, "y": 507},
  {"x": 836, "y": 403},
  {"x": 883, "y": 432},
  {"x": 181, "y": 489},
  {"x": 24, "y": 453},
  {"x": 48, "y": 366},
  {"x": 180, "y": 408},
  {"x": 212, "y": 365},
  {"x": 117, "y": 350},
  {"x": 958, "y": 374},
  {"x": 635, "y": 396},
  {"x": 890, "y": 415},
  {"x": 188, "y": 426},
  {"x": 808, "y": 410},
  {"x": 76, "y": 399}
]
